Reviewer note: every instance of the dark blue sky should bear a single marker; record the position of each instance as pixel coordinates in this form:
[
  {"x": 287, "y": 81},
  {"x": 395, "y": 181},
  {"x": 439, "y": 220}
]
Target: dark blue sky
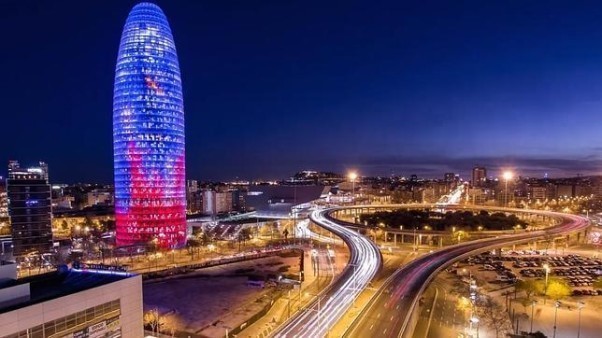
[{"x": 273, "y": 87}]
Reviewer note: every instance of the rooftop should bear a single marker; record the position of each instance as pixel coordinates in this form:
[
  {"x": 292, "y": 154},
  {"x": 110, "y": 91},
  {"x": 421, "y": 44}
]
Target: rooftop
[{"x": 59, "y": 283}]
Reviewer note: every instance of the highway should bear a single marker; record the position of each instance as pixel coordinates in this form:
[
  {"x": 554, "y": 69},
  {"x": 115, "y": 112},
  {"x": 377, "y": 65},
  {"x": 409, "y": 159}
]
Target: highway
[
  {"x": 329, "y": 306},
  {"x": 389, "y": 313},
  {"x": 302, "y": 231}
]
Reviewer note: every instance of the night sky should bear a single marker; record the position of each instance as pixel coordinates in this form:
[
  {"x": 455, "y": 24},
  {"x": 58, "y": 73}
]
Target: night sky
[{"x": 273, "y": 87}]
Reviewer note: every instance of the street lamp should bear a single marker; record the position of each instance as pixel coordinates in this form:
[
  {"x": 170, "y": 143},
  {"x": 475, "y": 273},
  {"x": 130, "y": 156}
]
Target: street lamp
[
  {"x": 352, "y": 177},
  {"x": 507, "y": 175},
  {"x": 533, "y": 302},
  {"x": 474, "y": 320},
  {"x": 556, "y": 306},
  {"x": 546, "y": 268},
  {"x": 400, "y": 229},
  {"x": 580, "y": 306}
]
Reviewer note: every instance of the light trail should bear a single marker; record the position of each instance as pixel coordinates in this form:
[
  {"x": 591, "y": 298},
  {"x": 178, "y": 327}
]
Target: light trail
[
  {"x": 332, "y": 303},
  {"x": 303, "y": 231},
  {"x": 400, "y": 294}
]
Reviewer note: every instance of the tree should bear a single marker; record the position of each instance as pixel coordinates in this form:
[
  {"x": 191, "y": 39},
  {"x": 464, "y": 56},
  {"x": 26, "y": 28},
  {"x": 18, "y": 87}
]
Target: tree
[
  {"x": 151, "y": 318},
  {"x": 463, "y": 304},
  {"x": 88, "y": 221},
  {"x": 558, "y": 289},
  {"x": 493, "y": 314},
  {"x": 204, "y": 238},
  {"x": 285, "y": 233},
  {"x": 243, "y": 235},
  {"x": 529, "y": 286}
]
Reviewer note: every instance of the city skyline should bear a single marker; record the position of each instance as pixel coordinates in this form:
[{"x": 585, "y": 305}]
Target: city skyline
[{"x": 366, "y": 87}]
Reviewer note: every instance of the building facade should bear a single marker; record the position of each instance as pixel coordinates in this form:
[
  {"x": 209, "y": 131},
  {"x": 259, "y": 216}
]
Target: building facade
[
  {"x": 71, "y": 304},
  {"x": 29, "y": 208},
  {"x": 148, "y": 133},
  {"x": 479, "y": 176},
  {"x": 98, "y": 196}
]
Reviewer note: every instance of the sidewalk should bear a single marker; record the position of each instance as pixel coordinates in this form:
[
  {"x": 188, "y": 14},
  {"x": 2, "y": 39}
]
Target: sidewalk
[{"x": 567, "y": 322}]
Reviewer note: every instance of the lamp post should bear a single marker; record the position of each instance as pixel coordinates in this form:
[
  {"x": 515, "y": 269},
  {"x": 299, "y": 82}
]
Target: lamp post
[
  {"x": 580, "y": 306},
  {"x": 474, "y": 320},
  {"x": 353, "y": 177},
  {"x": 533, "y": 302},
  {"x": 401, "y": 229},
  {"x": 556, "y": 306},
  {"x": 546, "y": 268},
  {"x": 507, "y": 177}
]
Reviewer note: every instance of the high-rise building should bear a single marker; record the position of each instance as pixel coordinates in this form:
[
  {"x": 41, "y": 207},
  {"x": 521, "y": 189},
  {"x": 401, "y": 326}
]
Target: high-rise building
[
  {"x": 479, "y": 176},
  {"x": 29, "y": 208},
  {"x": 209, "y": 202},
  {"x": 3, "y": 199},
  {"x": 449, "y": 177},
  {"x": 148, "y": 133}
]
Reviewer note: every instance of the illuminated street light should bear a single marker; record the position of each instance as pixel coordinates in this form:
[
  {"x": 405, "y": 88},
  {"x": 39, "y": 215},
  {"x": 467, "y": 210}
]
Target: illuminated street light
[
  {"x": 507, "y": 175},
  {"x": 546, "y": 268},
  {"x": 352, "y": 178}
]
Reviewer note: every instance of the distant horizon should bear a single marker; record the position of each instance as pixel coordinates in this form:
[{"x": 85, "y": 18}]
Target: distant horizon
[
  {"x": 466, "y": 176},
  {"x": 384, "y": 87}
]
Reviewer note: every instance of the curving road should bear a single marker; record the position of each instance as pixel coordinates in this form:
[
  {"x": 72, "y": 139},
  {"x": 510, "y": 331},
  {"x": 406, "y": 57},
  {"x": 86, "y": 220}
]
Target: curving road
[
  {"x": 330, "y": 305},
  {"x": 390, "y": 312}
]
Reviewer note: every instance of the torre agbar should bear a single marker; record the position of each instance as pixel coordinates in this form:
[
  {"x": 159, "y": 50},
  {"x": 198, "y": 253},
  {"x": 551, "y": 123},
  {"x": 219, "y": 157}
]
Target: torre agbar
[{"x": 148, "y": 133}]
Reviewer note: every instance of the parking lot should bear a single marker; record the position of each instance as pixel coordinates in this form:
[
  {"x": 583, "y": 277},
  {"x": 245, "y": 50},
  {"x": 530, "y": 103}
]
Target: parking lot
[{"x": 506, "y": 268}]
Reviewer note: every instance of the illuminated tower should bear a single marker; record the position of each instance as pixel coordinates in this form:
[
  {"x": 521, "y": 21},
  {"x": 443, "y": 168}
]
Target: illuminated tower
[{"x": 148, "y": 133}]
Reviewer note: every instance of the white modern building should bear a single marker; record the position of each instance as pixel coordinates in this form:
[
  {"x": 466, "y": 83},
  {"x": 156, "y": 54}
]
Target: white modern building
[{"x": 70, "y": 303}]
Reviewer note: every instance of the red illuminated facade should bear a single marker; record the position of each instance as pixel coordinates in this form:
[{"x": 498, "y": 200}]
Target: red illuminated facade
[{"x": 148, "y": 133}]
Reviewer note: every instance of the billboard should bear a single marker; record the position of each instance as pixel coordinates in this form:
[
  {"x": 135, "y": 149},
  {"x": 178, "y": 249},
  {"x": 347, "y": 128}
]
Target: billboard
[{"x": 110, "y": 328}]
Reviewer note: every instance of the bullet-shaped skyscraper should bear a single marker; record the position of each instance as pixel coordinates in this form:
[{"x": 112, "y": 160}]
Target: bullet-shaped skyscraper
[{"x": 148, "y": 133}]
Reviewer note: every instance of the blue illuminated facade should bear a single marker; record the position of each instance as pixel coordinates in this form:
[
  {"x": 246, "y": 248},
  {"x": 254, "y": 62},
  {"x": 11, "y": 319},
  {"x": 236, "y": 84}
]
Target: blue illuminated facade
[{"x": 148, "y": 133}]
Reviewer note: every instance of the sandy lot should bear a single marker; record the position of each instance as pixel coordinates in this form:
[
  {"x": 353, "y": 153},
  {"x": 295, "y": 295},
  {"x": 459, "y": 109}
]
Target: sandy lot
[{"x": 204, "y": 303}]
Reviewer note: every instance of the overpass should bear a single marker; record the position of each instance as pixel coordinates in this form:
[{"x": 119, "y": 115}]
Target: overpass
[
  {"x": 399, "y": 296},
  {"x": 424, "y": 237},
  {"x": 401, "y": 292}
]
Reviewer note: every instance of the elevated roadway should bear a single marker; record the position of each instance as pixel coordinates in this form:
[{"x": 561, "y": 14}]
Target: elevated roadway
[
  {"x": 392, "y": 311},
  {"x": 331, "y": 304}
]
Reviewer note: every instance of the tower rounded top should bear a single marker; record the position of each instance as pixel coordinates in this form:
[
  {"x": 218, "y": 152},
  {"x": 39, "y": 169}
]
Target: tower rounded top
[
  {"x": 146, "y": 6},
  {"x": 146, "y": 12}
]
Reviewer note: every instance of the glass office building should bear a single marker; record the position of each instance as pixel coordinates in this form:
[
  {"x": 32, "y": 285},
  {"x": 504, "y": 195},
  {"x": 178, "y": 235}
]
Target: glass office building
[
  {"x": 29, "y": 208},
  {"x": 148, "y": 133}
]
